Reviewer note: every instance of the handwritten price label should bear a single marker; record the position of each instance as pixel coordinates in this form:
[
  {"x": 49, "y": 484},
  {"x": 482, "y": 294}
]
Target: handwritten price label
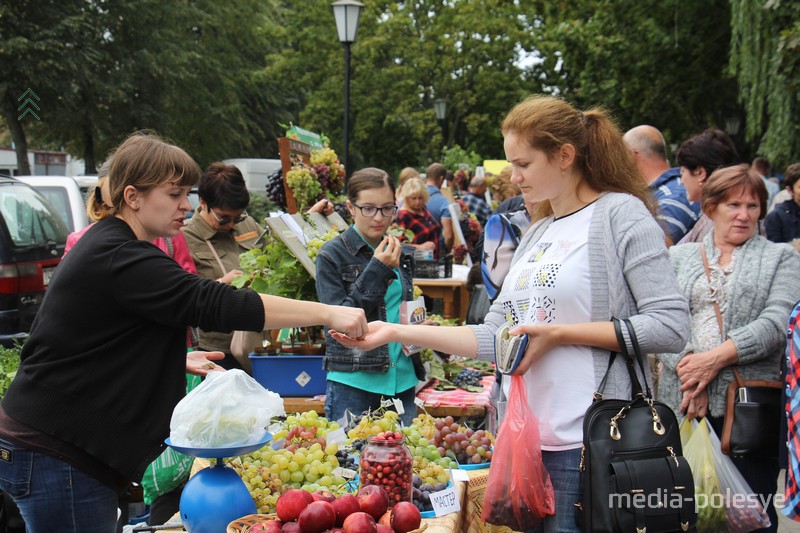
[
  {"x": 335, "y": 436},
  {"x": 344, "y": 472},
  {"x": 445, "y": 502},
  {"x": 398, "y": 405}
]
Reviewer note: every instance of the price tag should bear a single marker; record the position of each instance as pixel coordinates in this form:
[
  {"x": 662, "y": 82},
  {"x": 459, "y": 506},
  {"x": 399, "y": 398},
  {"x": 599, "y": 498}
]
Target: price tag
[
  {"x": 278, "y": 444},
  {"x": 456, "y": 474},
  {"x": 344, "y": 472},
  {"x": 419, "y": 403},
  {"x": 398, "y": 405},
  {"x": 335, "y": 436},
  {"x": 445, "y": 502},
  {"x": 343, "y": 421},
  {"x": 386, "y": 403}
]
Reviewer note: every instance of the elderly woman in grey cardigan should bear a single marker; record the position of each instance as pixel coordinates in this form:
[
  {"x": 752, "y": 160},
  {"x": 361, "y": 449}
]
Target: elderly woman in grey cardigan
[{"x": 755, "y": 284}]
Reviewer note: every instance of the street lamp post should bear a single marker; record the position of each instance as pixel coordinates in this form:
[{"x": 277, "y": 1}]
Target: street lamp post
[
  {"x": 347, "y": 13},
  {"x": 440, "y": 108}
]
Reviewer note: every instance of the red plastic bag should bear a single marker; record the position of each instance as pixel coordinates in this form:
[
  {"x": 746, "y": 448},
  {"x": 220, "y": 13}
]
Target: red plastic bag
[{"x": 519, "y": 493}]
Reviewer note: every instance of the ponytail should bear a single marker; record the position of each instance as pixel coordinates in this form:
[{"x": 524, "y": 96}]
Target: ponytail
[{"x": 607, "y": 163}]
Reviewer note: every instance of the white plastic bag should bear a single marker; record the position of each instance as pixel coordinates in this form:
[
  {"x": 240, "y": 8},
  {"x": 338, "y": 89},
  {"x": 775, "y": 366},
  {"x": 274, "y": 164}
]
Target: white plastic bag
[
  {"x": 742, "y": 506},
  {"x": 228, "y": 409}
]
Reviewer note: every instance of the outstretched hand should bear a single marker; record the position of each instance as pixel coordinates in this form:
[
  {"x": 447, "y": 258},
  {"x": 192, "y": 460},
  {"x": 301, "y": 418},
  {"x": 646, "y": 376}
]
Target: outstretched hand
[
  {"x": 201, "y": 363},
  {"x": 378, "y": 334}
]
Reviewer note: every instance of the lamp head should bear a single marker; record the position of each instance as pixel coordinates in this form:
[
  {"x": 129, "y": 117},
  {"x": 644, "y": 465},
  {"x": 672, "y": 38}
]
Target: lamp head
[{"x": 347, "y": 13}]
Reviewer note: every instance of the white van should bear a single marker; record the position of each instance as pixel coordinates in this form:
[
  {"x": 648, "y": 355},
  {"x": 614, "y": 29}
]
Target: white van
[
  {"x": 255, "y": 171},
  {"x": 65, "y": 195}
]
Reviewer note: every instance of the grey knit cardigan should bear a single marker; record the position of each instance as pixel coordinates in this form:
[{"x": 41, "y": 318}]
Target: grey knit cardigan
[
  {"x": 765, "y": 287},
  {"x": 630, "y": 278}
]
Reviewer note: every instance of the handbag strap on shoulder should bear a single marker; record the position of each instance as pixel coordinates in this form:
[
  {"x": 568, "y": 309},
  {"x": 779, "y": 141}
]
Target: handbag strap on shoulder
[{"x": 718, "y": 312}]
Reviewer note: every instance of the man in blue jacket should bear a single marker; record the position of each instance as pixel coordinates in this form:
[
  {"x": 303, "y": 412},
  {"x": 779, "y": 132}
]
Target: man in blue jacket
[{"x": 676, "y": 213}]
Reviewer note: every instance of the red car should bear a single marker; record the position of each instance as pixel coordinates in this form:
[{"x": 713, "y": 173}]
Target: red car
[{"x": 32, "y": 239}]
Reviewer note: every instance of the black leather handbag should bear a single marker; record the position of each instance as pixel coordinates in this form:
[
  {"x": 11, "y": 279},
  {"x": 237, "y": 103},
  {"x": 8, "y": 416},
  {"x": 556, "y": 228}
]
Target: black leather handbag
[
  {"x": 753, "y": 414},
  {"x": 633, "y": 474}
]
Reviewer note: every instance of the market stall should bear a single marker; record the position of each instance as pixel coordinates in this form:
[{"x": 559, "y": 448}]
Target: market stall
[{"x": 456, "y": 403}]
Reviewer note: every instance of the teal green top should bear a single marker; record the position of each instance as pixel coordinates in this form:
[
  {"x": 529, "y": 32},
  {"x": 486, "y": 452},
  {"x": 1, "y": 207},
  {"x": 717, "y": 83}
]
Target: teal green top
[{"x": 400, "y": 376}]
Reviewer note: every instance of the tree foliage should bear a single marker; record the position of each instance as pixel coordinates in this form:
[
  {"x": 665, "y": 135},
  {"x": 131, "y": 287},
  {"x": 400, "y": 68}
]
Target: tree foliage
[
  {"x": 219, "y": 77},
  {"x": 765, "y": 55},
  {"x": 651, "y": 62},
  {"x": 191, "y": 71}
]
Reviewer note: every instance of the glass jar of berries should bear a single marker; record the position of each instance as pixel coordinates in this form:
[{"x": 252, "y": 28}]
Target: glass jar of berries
[{"x": 386, "y": 461}]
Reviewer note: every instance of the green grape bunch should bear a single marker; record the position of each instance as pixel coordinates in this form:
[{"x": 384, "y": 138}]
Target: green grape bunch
[
  {"x": 305, "y": 186},
  {"x": 313, "y": 246}
]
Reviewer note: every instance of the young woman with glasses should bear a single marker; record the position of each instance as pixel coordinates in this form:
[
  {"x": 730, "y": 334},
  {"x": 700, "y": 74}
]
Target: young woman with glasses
[
  {"x": 218, "y": 232},
  {"x": 368, "y": 269}
]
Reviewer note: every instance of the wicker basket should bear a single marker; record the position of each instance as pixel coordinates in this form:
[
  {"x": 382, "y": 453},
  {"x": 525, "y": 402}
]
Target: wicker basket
[{"x": 243, "y": 524}]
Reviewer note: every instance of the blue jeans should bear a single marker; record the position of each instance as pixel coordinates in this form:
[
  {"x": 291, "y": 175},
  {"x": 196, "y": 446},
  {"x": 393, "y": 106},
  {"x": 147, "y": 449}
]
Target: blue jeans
[
  {"x": 565, "y": 476},
  {"x": 54, "y": 496},
  {"x": 340, "y": 398}
]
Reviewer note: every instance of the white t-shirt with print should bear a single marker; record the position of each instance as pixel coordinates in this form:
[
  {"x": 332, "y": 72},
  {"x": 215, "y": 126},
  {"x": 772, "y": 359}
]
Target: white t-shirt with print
[{"x": 551, "y": 284}]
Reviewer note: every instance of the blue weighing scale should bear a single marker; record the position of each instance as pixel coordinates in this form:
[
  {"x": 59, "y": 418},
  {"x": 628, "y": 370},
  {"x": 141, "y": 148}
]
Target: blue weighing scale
[{"x": 216, "y": 495}]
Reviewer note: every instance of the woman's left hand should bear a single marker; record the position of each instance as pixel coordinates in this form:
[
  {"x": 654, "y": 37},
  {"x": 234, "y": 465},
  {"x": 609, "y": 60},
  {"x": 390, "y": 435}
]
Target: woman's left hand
[
  {"x": 201, "y": 363},
  {"x": 696, "y": 407},
  {"x": 541, "y": 339},
  {"x": 696, "y": 371}
]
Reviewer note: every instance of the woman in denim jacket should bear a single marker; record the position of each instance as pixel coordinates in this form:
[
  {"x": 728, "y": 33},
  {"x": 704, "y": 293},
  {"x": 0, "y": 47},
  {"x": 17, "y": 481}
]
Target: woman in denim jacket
[{"x": 365, "y": 268}]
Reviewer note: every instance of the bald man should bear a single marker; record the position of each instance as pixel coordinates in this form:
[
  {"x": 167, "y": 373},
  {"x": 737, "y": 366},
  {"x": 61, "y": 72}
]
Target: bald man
[{"x": 675, "y": 212}]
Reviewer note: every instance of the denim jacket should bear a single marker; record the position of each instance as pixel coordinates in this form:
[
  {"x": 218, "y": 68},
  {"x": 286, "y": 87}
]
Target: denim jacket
[{"x": 349, "y": 275}]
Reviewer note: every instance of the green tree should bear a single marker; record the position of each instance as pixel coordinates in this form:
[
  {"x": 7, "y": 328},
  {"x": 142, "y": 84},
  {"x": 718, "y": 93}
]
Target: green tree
[
  {"x": 191, "y": 71},
  {"x": 658, "y": 63},
  {"x": 406, "y": 54},
  {"x": 765, "y": 56}
]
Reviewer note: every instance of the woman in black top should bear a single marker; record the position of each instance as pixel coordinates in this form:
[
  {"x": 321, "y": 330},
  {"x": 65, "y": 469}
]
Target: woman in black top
[{"x": 105, "y": 362}]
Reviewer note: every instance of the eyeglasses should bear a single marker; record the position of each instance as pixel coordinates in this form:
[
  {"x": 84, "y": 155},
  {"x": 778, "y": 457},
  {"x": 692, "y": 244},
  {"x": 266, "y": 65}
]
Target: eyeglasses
[
  {"x": 370, "y": 211},
  {"x": 224, "y": 221}
]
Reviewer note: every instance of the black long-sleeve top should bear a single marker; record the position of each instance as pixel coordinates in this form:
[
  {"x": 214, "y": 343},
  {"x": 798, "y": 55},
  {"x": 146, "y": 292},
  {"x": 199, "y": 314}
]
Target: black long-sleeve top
[{"x": 105, "y": 363}]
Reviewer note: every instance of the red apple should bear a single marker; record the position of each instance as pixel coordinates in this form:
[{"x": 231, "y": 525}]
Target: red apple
[
  {"x": 291, "y": 527},
  {"x": 271, "y": 526},
  {"x": 336, "y": 530},
  {"x": 317, "y": 517},
  {"x": 384, "y": 529},
  {"x": 405, "y": 517},
  {"x": 373, "y": 500},
  {"x": 291, "y": 503},
  {"x": 345, "y": 505},
  {"x": 323, "y": 496},
  {"x": 360, "y": 523}
]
